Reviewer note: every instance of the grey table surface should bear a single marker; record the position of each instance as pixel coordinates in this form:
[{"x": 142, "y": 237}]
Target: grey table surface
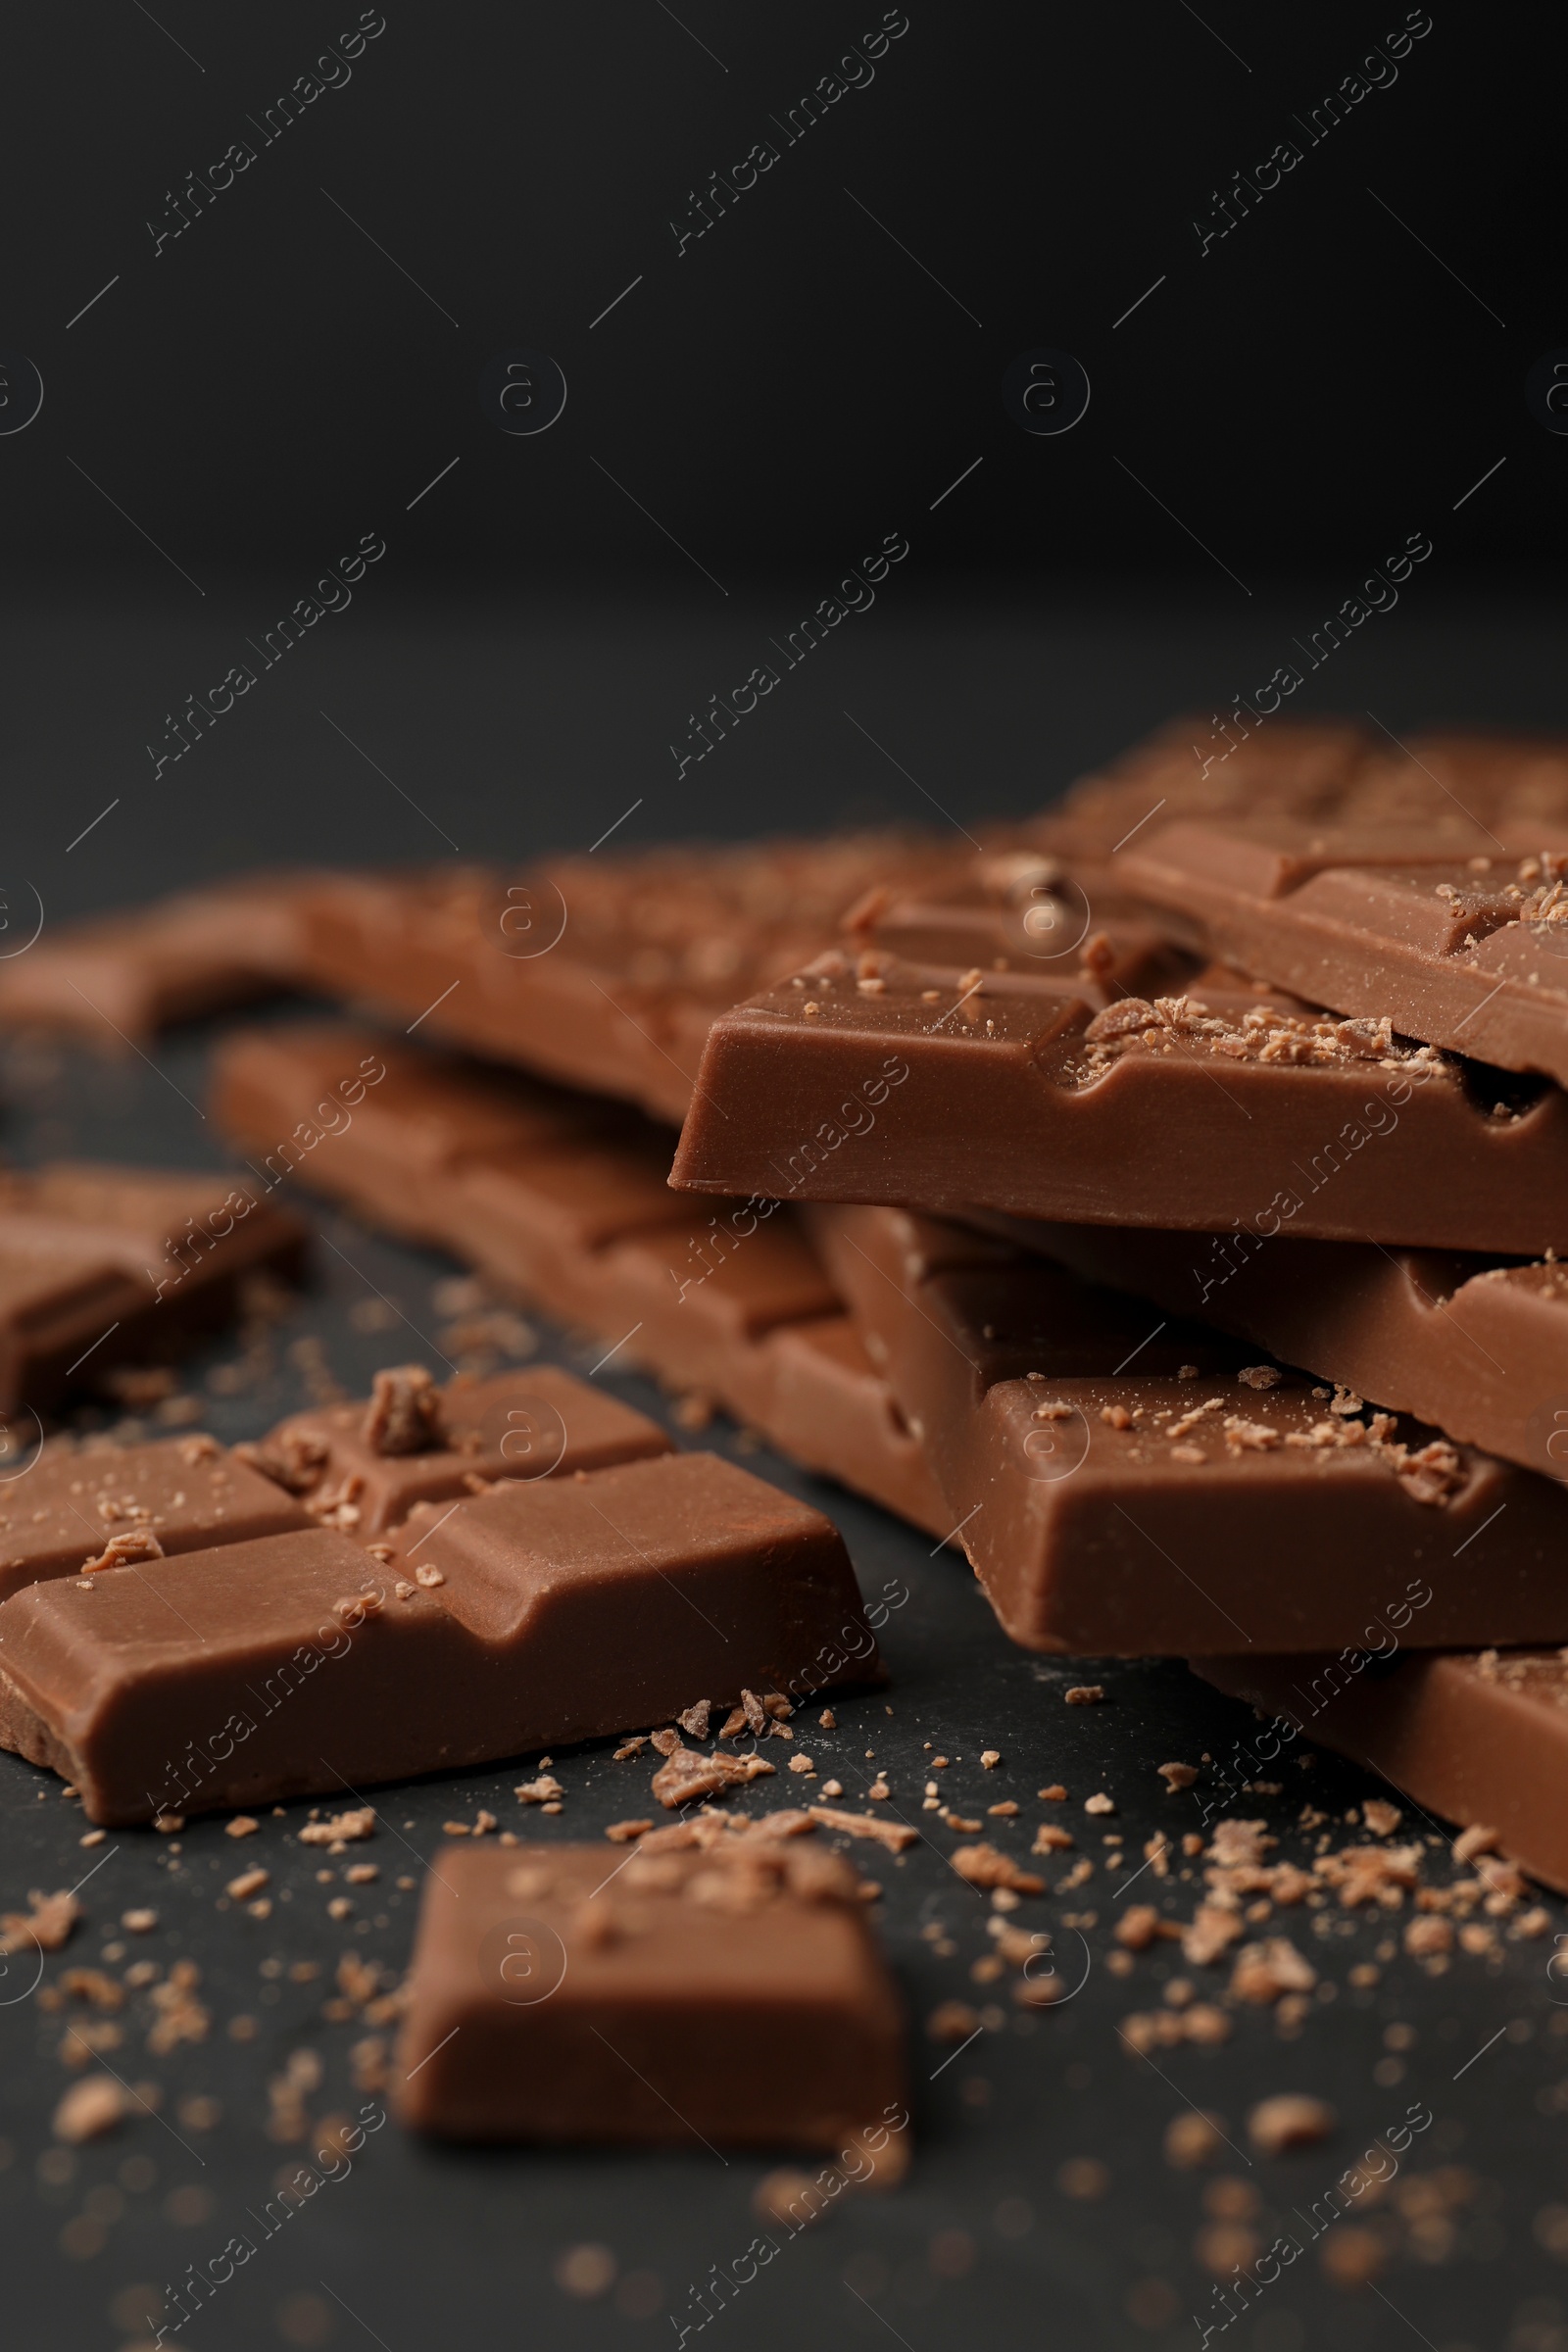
[{"x": 512, "y": 726}]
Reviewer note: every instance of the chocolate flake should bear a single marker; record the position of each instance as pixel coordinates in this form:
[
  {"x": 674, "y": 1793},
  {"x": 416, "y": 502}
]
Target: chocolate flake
[
  {"x": 686, "y": 1773},
  {"x": 404, "y": 1415}
]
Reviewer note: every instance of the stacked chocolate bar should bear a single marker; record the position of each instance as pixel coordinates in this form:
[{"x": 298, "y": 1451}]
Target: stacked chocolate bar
[
  {"x": 1335, "y": 1140},
  {"x": 1161, "y": 1200},
  {"x": 1195, "y": 1158}
]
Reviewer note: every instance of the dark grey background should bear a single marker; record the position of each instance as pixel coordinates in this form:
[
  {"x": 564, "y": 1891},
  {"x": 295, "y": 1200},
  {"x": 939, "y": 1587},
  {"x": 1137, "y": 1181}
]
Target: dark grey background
[
  {"x": 821, "y": 361},
  {"x": 227, "y": 421}
]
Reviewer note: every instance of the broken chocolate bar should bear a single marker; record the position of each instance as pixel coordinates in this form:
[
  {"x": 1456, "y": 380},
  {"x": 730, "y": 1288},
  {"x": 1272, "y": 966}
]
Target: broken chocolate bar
[
  {"x": 1433, "y": 925},
  {"x": 1122, "y": 1481},
  {"x": 562, "y": 1201},
  {"x": 1481, "y": 1739},
  {"x": 1478, "y": 1348},
  {"x": 102, "y": 1265},
  {"x": 363, "y": 1467},
  {"x": 118, "y": 977},
  {"x": 531, "y": 1616},
  {"x": 867, "y": 1078},
  {"x": 72, "y": 1508},
  {"x": 731, "y": 1998}
]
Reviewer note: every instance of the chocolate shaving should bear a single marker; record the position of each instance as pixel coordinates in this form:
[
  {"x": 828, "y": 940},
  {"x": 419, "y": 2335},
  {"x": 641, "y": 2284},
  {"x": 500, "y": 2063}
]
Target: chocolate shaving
[
  {"x": 340, "y": 1828},
  {"x": 686, "y": 1773},
  {"x": 988, "y": 1866},
  {"x": 133, "y": 1544},
  {"x": 292, "y": 1459},
  {"x": 895, "y": 1835},
  {"x": 45, "y": 1928},
  {"x": 404, "y": 1415}
]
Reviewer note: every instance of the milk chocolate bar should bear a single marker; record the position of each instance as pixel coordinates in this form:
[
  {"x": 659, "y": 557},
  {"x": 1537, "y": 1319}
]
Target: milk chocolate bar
[
  {"x": 1334, "y": 771},
  {"x": 363, "y": 1467},
  {"x": 70, "y": 1508},
  {"x": 1436, "y": 926},
  {"x": 603, "y": 972},
  {"x": 729, "y": 1997},
  {"x": 562, "y": 1201},
  {"x": 1481, "y": 1739},
  {"x": 869, "y": 1078},
  {"x": 1479, "y": 1348},
  {"x": 122, "y": 976},
  {"x": 534, "y": 1615},
  {"x": 100, "y": 1265},
  {"x": 1122, "y": 1480}
]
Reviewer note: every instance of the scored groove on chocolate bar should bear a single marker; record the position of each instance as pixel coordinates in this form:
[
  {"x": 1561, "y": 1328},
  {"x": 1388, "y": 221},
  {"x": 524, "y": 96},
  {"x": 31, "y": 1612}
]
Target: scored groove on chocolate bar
[{"x": 562, "y": 1201}]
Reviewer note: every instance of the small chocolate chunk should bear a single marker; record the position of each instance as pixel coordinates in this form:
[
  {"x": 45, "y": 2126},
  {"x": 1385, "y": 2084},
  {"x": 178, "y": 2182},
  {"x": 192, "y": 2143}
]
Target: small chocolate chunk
[
  {"x": 728, "y": 1996},
  {"x": 404, "y": 1415}
]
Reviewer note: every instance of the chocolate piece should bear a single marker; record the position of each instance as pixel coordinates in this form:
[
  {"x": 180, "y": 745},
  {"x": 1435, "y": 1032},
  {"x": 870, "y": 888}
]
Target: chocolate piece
[
  {"x": 103, "y": 1265},
  {"x": 1433, "y": 925},
  {"x": 521, "y": 1425},
  {"x": 530, "y": 1616},
  {"x": 180, "y": 1495},
  {"x": 733, "y": 1997},
  {"x": 1110, "y": 1505},
  {"x": 54, "y": 1305},
  {"x": 1005, "y": 1091},
  {"x": 1480, "y": 1738},
  {"x": 563, "y": 1200},
  {"x": 129, "y": 973},
  {"x": 1480, "y": 1350}
]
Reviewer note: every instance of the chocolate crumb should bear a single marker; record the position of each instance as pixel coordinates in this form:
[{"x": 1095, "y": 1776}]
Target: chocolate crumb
[
  {"x": 88, "y": 2109},
  {"x": 544, "y": 1790},
  {"x": 1291, "y": 2120},
  {"x": 44, "y": 1927},
  {"x": 403, "y": 1414},
  {"x": 687, "y": 1773},
  {"x": 1191, "y": 2139},
  {"x": 340, "y": 1828}
]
